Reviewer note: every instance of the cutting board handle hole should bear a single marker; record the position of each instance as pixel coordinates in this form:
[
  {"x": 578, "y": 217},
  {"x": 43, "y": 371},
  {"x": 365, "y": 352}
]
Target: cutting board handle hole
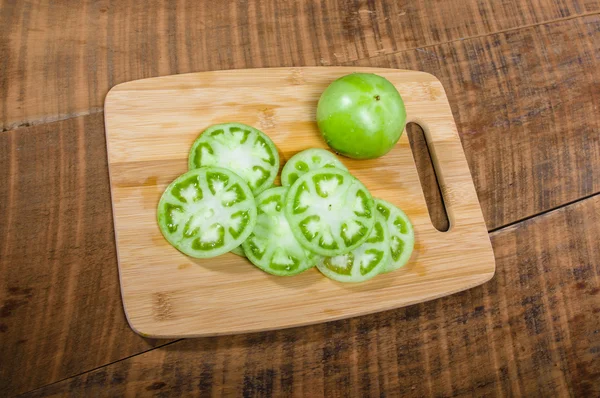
[{"x": 428, "y": 177}]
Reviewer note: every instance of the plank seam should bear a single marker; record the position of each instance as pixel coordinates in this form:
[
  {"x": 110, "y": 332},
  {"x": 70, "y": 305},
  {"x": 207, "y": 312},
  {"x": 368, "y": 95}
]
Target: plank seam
[
  {"x": 491, "y": 232},
  {"x": 52, "y": 119},
  {"x": 98, "y": 367},
  {"x": 516, "y": 28},
  {"x": 501, "y": 228},
  {"x": 94, "y": 110}
]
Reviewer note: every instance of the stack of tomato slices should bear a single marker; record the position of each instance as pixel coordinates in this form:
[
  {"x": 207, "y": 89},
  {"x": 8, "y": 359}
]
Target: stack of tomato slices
[{"x": 321, "y": 215}]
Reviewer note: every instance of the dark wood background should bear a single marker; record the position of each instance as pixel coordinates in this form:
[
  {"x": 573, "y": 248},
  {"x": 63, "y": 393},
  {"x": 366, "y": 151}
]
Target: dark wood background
[{"x": 524, "y": 84}]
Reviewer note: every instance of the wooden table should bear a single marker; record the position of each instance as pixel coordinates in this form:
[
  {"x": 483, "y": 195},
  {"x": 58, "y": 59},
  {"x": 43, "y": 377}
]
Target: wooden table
[{"x": 522, "y": 77}]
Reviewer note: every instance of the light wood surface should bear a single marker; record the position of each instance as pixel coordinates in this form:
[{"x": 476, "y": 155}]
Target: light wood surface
[{"x": 150, "y": 125}]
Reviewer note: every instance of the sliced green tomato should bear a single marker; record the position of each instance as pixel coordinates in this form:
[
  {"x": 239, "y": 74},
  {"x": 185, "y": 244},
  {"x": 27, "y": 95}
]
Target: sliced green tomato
[
  {"x": 402, "y": 234},
  {"x": 238, "y": 251},
  {"x": 242, "y": 149},
  {"x": 305, "y": 161},
  {"x": 330, "y": 211},
  {"x": 272, "y": 246},
  {"x": 207, "y": 212},
  {"x": 364, "y": 262}
]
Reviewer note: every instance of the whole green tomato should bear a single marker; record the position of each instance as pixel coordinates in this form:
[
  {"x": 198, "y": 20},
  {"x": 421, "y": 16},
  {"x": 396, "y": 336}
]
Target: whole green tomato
[{"x": 361, "y": 115}]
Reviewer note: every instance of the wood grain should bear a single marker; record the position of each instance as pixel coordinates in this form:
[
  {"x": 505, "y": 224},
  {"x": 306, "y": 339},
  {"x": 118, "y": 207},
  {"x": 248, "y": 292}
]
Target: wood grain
[
  {"x": 60, "y": 309},
  {"x": 150, "y": 125},
  {"x": 60, "y": 61},
  {"x": 531, "y": 331},
  {"x": 61, "y": 58},
  {"x": 526, "y": 106}
]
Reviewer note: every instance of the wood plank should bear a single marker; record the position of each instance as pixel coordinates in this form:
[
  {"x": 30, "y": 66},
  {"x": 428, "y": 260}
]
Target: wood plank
[
  {"x": 525, "y": 104},
  {"x": 26, "y": 373},
  {"x": 531, "y": 331},
  {"x": 61, "y": 58},
  {"x": 60, "y": 308},
  {"x": 150, "y": 125}
]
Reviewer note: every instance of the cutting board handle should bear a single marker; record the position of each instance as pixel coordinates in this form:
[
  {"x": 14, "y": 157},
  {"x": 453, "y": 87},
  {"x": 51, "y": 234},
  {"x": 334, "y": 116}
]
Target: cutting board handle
[{"x": 451, "y": 167}]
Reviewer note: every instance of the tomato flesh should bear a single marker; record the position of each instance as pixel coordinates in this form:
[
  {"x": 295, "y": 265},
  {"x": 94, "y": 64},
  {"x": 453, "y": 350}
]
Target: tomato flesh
[
  {"x": 330, "y": 211},
  {"x": 238, "y": 251},
  {"x": 364, "y": 262},
  {"x": 272, "y": 246},
  {"x": 243, "y": 149},
  {"x": 402, "y": 235},
  {"x": 207, "y": 212},
  {"x": 307, "y": 160}
]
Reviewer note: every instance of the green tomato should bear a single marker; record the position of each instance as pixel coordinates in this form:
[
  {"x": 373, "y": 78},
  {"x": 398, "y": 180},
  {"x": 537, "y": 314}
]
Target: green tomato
[
  {"x": 367, "y": 260},
  {"x": 207, "y": 212},
  {"x": 243, "y": 149},
  {"x": 329, "y": 211},
  {"x": 361, "y": 115},
  {"x": 272, "y": 246},
  {"x": 307, "y": 160},
  {"x": 402, "y": 234}
]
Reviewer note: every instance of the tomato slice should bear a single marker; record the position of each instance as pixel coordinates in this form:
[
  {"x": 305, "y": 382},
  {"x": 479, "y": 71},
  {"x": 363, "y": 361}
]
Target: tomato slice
[
  {"x": 239, "y": 251},
  {"x": 207, "y": 212},
  {"x": 364, "y": 262},
  {"x": 246, "y": 151},
  {"x": 272, "y": 246},
  {"x": 307, "y": 160},
  {"x": 402, "y": 234},
  {"x": 330, "y": 211}
]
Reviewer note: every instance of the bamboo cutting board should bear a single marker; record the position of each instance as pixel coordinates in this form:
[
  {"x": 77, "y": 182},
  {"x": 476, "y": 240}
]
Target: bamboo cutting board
[{"x": 150, "y": 126}]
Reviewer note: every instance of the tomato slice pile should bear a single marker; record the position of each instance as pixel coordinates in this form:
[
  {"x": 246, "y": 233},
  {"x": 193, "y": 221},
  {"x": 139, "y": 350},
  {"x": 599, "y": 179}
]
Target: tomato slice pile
[
  {"x": 322, "y": 215},
  {"x": 330, "y": 211},
  {"x": 272, "y": 246},
  {"x": 207, "y": 212},
  {"x": 242, "y": 149},
  {"x": 364, "y": 262},
  {"x": 307, "y": 160}
]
